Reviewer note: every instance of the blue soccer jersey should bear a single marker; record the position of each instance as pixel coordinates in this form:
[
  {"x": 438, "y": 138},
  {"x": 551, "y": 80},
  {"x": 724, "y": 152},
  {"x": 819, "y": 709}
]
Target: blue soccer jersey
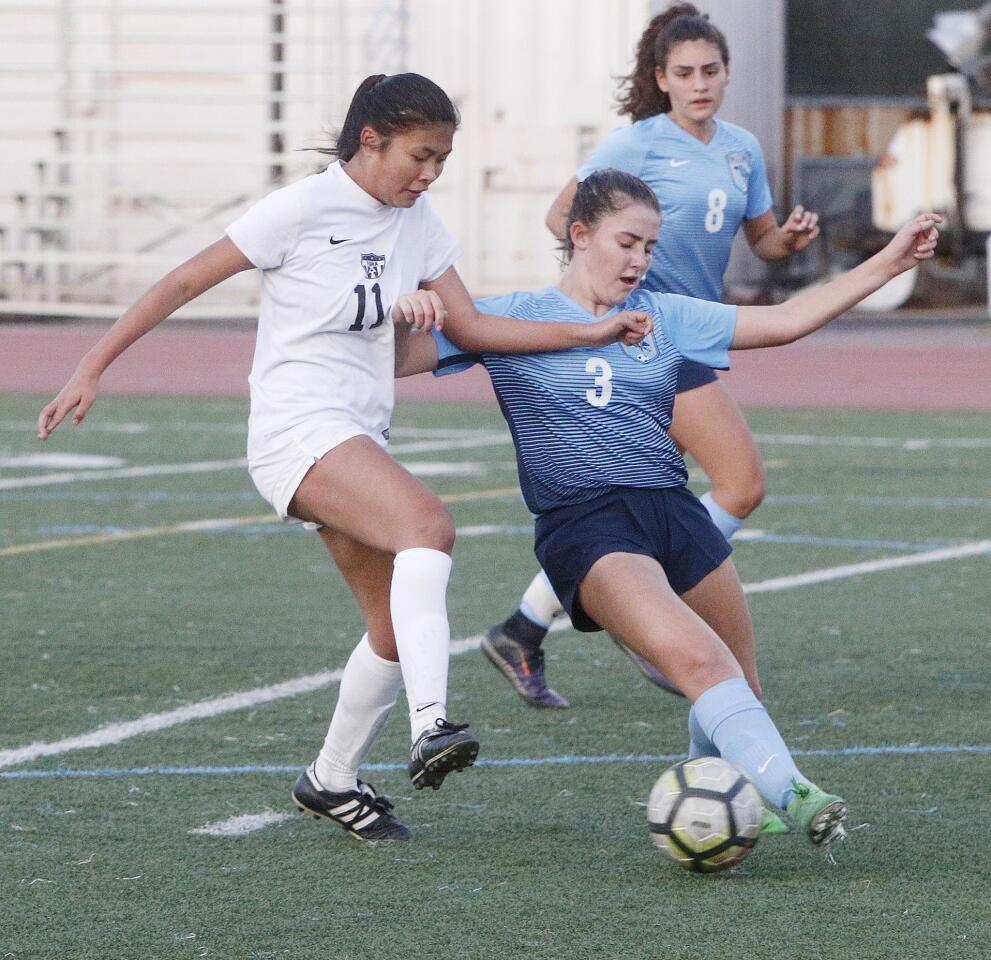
[
  {"x": 590, "y": 419},
  {"x": 706, "y": 191}
]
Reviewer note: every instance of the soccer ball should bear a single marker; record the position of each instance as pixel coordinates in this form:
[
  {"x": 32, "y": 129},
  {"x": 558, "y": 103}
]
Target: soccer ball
[{"x": 705, "y": 814}]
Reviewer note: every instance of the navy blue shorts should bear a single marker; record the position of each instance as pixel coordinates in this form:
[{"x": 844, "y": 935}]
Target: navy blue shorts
[
  {"x": 669, "y": 525},
  {"x": 692, "y": 375}
]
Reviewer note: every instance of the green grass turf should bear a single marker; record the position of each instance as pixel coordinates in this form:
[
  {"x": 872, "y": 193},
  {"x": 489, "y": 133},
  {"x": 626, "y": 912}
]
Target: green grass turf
[{"x": 542, "y": 861}]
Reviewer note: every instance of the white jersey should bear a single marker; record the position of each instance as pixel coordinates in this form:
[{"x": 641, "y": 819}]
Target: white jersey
[{"x": 334, "y": 260}]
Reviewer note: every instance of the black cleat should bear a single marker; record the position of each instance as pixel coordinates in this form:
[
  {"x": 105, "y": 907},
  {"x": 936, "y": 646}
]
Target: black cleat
[
  {"x": 438, "y": 751},
  {"x": 362, "y": 812},
  {"x": 521, "y": 661}
]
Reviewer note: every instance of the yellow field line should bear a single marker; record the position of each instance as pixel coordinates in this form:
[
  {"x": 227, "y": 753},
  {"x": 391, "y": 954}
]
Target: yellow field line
[{"x": 199, "y": 526}]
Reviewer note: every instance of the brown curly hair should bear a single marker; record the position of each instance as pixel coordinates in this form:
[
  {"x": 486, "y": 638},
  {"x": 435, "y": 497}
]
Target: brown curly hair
[{"x": 642, "y": 98}]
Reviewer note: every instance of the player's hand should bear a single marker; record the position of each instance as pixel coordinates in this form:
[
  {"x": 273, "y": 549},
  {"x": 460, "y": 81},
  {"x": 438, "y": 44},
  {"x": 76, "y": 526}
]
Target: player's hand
[
  {"x": 422, "y": 310},
  {"x": 914, "y": 242},
  {"x": 629, "y": 327},
  {"x": 78, "y": 394},
  {"x": 800, "y": 229}
]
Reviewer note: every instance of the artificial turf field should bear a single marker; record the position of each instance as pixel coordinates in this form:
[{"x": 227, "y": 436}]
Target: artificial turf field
[{"x": 117, "y": 612}]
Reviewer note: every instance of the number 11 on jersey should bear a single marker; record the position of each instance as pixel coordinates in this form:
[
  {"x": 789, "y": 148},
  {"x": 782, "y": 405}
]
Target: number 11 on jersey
[{"x": 359, "y": 317}]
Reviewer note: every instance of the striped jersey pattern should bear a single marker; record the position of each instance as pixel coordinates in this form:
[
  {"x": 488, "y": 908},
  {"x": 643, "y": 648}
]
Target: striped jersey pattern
[{"x": 589, "y": 419}]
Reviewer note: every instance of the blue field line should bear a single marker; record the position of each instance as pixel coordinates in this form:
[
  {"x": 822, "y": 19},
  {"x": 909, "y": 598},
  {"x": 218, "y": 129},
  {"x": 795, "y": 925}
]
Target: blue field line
[
  {"x": 935, "y": 503},
  {"x": 911, "y": 749}
]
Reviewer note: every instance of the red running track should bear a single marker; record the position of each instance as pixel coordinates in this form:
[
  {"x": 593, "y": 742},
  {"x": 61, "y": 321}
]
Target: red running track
[{"x": 884, "y": 365}]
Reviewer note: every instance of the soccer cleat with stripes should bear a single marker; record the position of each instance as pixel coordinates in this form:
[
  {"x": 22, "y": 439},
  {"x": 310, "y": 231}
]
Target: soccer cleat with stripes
[
  {"x": 818, "y": 813},
  {"x": 362, "y": 812},
  {"x": 651, "y": 672},
  {"x": 522, "y": 664},
  {"x": 440, "y": 750}
]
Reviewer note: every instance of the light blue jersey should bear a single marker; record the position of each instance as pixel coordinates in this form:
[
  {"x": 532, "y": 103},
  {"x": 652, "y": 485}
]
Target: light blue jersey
[
  {"x": 706, "y": 191},
  {"x": 592, "y": 418}
]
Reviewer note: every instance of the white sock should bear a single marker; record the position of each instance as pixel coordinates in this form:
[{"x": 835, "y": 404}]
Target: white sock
[
  {"x": 540, "y": 603},
  {"x": 367, "y": 694},
  {"x": 727, "y": 523},
  {"x": 423, "y": 637}
]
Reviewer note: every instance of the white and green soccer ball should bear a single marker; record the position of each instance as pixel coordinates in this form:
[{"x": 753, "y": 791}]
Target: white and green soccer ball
[{"x": 705, "y": 814}]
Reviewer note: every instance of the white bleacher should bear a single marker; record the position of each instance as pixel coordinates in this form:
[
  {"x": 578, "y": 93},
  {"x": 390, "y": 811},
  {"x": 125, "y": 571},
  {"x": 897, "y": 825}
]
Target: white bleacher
[{"x": 132, "y": 132}]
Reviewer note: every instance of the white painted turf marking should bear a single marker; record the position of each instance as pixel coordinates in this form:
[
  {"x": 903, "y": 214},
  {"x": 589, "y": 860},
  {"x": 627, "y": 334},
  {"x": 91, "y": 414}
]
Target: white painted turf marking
[
  {"x": 242, "y": 824},
  {"x": 123, "y": 473},
  {"x": 470, "y": 442},
  {"x": 118, "y": 732},
  {"x": 61, "y": 461}
]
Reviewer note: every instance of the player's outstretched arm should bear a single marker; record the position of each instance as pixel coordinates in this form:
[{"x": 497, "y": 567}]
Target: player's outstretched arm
[
  {"x": 217, "y": 262},
  {"x": 475, "y": 332},
  {"x": 811, "y": 309}
]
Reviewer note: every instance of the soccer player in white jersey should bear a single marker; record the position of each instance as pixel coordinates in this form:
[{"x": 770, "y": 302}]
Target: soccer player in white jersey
[
  {"x": 626, "y": 545},
  {"x": 710, "y": 179},
  {"x": 344, "y": 255}
]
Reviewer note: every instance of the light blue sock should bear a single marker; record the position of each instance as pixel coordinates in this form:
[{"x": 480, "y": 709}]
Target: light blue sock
[
  {"x": 723, "y": 519},
  {"x": 737, "y": 723},
  {"x": 699, "y": 745}
]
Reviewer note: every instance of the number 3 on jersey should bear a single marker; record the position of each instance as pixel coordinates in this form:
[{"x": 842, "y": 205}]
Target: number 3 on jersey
[
  {"x": 715, "y": 213},
  {"x": 600, "y": 395},
  {"x": 359, "y": 317}
]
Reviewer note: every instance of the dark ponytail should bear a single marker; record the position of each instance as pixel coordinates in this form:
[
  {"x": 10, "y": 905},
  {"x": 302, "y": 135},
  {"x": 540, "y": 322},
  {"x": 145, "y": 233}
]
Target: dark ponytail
[
  {"x": 642, "y": 97},
  {"x": 391, "y": 105},
  {"x": 601, "y": 193}
]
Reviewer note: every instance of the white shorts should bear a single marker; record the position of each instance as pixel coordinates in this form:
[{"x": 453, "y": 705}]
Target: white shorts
[{"x": 278, "y": 462}]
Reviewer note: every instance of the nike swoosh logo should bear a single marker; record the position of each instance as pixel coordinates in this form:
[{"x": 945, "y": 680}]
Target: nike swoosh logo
[
  {"x": 433, "y": 703},
  {"x": 679, "y": 163},
  {"x": 334, "y": 242},
  {"x": 766, "y": 763}
]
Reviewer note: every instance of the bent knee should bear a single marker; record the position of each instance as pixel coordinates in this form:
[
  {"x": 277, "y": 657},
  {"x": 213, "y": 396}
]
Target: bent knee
[{"x": 432, "y": 528}]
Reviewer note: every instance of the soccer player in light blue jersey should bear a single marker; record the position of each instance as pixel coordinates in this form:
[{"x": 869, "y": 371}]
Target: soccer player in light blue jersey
[
  {"x": 710, "y": 179},
  {"x": 627, "y": 547}
]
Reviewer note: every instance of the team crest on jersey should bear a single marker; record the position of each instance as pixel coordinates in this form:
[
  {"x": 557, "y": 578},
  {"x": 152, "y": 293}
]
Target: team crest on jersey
[
  {"x": 739, "y": 168},
  {"x": 644, "y": 351},
  {"x": 373, "y": 265}
]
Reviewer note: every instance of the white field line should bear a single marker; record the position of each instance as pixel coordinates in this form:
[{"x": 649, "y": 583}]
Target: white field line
[
  {"x": 211, "y": 466},
  {"x": 150, "y": 722},
  {"x": 123, "y": 473},
  {"x": 473, "y": 441},
  {"x": 870, "y": 566},
  {"x": 99, "y": 425},
  {"x": 242, "y": 824},
  {"x": 118, "y": 732}
]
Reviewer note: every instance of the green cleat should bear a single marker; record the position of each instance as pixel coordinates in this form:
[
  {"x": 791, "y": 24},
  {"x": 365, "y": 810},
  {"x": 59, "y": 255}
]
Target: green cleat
[
  {"x": 818, "y": 813},
  {"x": 770, "y": 822}
]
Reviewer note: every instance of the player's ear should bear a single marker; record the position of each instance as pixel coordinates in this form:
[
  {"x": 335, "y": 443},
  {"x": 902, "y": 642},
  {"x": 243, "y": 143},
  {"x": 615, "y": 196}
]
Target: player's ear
[
  {"x": 662, "y": 80},
  {"x": 580, "y": 235},
  {"x": 371, "y": 139}
]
